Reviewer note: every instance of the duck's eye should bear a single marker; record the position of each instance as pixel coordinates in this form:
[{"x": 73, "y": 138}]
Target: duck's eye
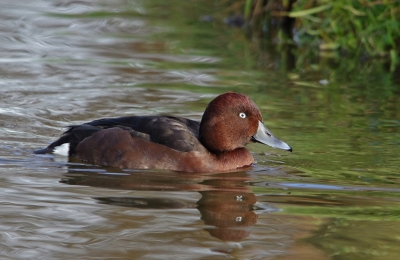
[{"x": 242, "y": 115}]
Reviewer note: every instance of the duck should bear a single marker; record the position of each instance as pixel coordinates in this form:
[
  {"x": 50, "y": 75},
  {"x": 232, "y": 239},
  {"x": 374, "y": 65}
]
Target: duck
[{"x": 215, "y": 144}]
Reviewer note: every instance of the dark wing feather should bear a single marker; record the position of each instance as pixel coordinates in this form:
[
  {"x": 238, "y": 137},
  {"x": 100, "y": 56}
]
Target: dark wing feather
[{"x": 177, "y": 133}]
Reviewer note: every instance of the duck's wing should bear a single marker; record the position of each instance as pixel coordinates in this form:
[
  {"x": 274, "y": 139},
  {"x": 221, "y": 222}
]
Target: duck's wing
[{"x": 177, "y": 133}]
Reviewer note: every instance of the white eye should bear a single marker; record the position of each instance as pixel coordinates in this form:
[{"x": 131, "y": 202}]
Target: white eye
[{"x": 242, "y": 115}]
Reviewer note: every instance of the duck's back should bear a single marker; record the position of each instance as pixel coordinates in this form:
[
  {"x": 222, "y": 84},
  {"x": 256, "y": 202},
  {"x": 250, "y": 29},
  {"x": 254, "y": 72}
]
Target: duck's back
[
  {"x": 177, "y": 133},
  {"x": 174, "y": 132}
]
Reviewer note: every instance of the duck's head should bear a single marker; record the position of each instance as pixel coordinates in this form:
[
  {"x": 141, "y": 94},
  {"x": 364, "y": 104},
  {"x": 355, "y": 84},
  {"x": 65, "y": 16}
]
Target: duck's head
[{"x": 231, "y": 121}]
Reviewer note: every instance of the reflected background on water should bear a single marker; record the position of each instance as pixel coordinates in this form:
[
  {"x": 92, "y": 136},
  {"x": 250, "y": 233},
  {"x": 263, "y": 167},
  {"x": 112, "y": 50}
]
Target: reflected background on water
[{"x": 67, "y": 62}]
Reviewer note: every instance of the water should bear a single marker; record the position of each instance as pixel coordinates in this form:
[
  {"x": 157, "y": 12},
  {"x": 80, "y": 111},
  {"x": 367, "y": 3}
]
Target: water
[{"x": 67, "y": 62}]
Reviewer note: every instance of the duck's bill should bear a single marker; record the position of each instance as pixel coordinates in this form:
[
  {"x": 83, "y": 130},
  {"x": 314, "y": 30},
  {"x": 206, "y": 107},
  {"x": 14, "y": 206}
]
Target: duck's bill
[{"x": 265, "y": 136}]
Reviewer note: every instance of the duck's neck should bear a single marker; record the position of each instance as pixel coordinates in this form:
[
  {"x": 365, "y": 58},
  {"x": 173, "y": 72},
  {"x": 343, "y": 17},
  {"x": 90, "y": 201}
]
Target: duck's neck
[{"x": 234, "y": 159}]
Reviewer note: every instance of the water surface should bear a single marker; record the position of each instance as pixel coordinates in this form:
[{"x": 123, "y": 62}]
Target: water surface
[{"x": 67, "y": 62}]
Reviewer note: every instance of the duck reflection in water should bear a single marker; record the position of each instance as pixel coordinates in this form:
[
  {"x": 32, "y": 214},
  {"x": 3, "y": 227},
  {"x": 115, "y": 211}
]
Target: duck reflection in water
[
  {"x": 227, "y": 205},
  {"x": 229, "y": 213}
]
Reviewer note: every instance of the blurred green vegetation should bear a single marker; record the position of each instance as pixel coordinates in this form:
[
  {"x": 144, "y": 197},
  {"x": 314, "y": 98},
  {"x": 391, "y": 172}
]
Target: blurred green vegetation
[{"x": 362, "y": 27}]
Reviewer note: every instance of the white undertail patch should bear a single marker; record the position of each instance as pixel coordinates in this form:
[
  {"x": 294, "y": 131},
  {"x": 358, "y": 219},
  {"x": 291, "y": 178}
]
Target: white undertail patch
[{"x": 62, "y": 149}]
